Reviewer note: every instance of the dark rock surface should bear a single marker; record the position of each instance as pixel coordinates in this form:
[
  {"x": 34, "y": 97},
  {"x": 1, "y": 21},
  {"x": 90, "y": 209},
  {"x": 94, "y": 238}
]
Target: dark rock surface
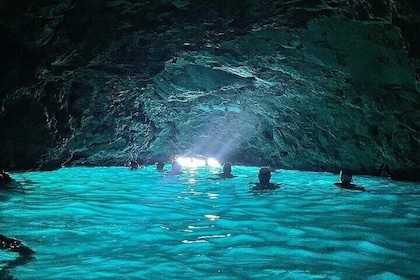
[{"x": 312, "y": 85}]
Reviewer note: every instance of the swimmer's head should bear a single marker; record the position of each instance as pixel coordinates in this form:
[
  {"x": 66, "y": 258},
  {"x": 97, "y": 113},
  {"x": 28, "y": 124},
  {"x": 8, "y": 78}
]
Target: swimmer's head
[
  {"x": 176, "y": 166},
  {"x": 346, "y": 177},
  {"x": 227, "y": 168},
  {"x": 264, "y": 175},
  {"x": 160, "y": 165}
]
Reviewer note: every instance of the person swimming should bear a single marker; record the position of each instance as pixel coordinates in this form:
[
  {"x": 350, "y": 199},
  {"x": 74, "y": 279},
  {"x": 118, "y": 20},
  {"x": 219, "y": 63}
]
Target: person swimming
[
  {"x": 160, "y": 165},
  {"x": 346, "y": 179},
  {"x": 227, "y": 172},
  {"x": 25, "y": 255},
  {"x": 264, "y": 176},
  {"x": 133, "y": 164},
  {"x": 14, "y": 245},
  {"x": 176, "y": 169},
  {"x": 5, "y": 179}
]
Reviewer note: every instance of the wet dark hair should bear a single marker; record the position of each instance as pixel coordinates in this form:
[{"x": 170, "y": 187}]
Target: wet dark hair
[
  {"x": 264, "y": 175},
  {"x": 346, "y": 176},
  {"x": 159, "y": 165},
  {"x": 227, "y": 167}
]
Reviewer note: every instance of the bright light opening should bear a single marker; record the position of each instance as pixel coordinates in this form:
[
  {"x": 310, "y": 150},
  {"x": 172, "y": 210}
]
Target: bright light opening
[
  {"x": 212, "y": 162},
  {"x": 191, "y": 162},
  {"x": 197, "y": 162}
]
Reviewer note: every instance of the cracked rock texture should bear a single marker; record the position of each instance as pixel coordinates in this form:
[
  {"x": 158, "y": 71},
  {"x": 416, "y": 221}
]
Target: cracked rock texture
[{"x": 311, "y": 85}]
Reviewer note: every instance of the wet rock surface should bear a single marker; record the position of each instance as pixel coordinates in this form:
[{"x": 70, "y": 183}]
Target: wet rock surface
[{"x": 312, "y": 85}]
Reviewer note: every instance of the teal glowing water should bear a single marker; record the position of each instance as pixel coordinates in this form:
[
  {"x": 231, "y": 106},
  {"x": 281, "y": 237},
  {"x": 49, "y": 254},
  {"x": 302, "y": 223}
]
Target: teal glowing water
[{"x": 112, "y": 223}]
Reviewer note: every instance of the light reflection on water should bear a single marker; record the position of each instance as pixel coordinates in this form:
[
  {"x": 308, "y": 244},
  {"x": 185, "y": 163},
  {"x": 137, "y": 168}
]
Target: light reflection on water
[{"x": 112, "y": 223}]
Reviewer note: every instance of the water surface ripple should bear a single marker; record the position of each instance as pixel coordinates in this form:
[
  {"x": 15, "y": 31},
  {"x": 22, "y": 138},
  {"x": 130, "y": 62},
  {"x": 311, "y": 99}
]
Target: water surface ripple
[{"x": 113, "y": 223}]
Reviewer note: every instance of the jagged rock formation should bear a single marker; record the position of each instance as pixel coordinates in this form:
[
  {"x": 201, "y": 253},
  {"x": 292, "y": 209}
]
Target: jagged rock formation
[{"x": 312, "y": 85}]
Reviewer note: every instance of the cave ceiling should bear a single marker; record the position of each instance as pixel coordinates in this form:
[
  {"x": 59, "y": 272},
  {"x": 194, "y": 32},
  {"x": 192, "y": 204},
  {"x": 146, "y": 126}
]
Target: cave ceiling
[{"x": 311, "y": 85}]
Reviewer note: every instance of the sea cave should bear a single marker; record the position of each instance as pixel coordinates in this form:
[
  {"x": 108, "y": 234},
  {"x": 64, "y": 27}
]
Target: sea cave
[{"x": 300, "y": 84}]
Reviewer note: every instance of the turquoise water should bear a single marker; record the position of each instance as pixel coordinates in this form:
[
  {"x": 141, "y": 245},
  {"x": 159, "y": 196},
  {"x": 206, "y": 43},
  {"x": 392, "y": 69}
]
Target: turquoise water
[{"x": 113, "y": 223}]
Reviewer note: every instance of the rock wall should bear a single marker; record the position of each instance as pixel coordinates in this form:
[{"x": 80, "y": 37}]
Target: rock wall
[{"x": 311, "y": 85}]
